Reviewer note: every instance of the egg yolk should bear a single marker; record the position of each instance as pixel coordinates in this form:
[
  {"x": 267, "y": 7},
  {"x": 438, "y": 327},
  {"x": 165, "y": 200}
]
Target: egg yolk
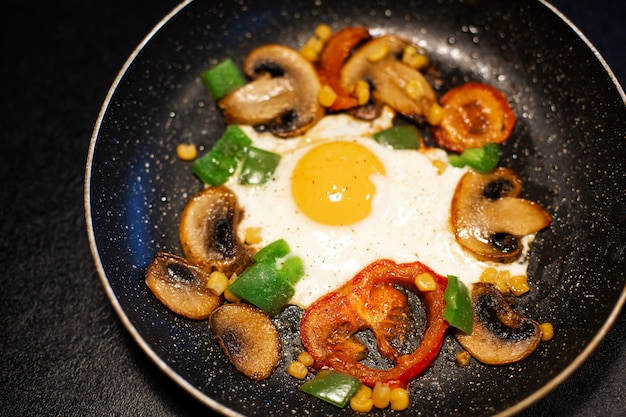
[{"x": 331, "y": 183}]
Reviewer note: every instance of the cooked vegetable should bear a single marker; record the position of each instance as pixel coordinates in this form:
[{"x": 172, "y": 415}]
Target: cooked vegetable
[
  {"x": 379, "y": 62},
  {"x": 371, "y": 301},
  {"x": 332, "y": 58},
  {"x": 283, "y": 93},
  {"x": 223, "y": 78},
  {"x": 459, "y": 312},
  {"x": 483, "y": 159},
  {"x": 500, "y": 335},
  {"x": 489, "y": 219},
  {"x": 208, "y": 232},
  {"x": 399, "y": 137},
  {"x": 222, "y": 160},
  {"x": 267, "y": 285},
  {"x": 333, "y": 387},
  {"x": 473, "y": 114},
  {"x": 181, "y": 286},
  {"x": 248, "y": 337},
  {"x": 258, "y": 166}
]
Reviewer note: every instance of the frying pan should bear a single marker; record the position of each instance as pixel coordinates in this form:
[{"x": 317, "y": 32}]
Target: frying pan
[{"x": 568, "y": 145}]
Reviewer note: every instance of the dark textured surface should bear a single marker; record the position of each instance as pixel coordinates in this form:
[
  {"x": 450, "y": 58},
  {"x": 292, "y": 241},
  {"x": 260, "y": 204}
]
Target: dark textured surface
[{"x": 64, "y": 351}]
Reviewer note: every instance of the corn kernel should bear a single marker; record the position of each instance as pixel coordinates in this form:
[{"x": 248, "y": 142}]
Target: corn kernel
[
  {"x": 378, "y": 54},
  {"x": 361, "y": 405},
  {"x": 381, "y": 394},
  {"x": 309, "y": 53},
  {"x": 364, "y": 392},
  {"x": 434, "y": 114},
  {"x": 186, "y": 151},
  {"x": 323, "y": 32},
  {"x": 362, "y": 90},
  {"x": 502, "y": 282},
  {"x": 463, "y": 358},
  {"x": 305, "y": 358},
  {"x": 297, "y": 370},
  {"x": 412, "y": 58},
  {"x": 229, "y": 296},
  {"x": 440, "y": 165},
  {"x": 326, "y": 96},
  {"x": 519, "y": 285},
  {"x": 414, "y": 88},
  {"x": 425, "y": 282},
  {"x": 399, "y": 399},
  {"x": 252, "y": 235},
  {"x": 547, "y": 331},
  {"x": 217, "y": 282}
]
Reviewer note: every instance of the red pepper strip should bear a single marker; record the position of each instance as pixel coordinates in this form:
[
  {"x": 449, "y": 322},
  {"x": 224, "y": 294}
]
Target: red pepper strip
[
  {"x": 329, "y": 326},
  {"x": 474, "y": 114},
  {"x": 332, "y": 58}
]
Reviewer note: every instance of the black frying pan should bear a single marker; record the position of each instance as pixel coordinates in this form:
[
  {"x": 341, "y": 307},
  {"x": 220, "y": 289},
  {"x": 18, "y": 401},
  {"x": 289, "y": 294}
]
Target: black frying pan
[{"x": 568, "y": 145}]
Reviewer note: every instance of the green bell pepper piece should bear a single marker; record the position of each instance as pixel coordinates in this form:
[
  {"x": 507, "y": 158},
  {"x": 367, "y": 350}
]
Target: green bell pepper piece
[
  {"x": 292, "y": 269},
  {"x": 222, "y": 160},
  {"x": 263, "y": 286},
  {"x": 222, "y": 79},
  {"x": 333, "y": 387},
  {"x": 258, "y": 166},
  {"x": 399, "y": 137},
  {"x": 272, "y": 252},
  {"x": 459, "y": 312},
  {"x": 482, "y": 160}
]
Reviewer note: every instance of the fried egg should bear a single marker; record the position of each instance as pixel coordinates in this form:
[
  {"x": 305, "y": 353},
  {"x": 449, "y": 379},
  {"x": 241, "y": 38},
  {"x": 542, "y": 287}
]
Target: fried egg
[{"x": 341, "y": 201}]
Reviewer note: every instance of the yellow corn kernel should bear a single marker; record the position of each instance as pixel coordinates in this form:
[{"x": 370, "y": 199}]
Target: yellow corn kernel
[
  {"x": 463, "y": 358},
  {"x": 434, "y": 114},
  {"x": 297, "y": 370},
  {"x": 399, "y": 399},
  {"x": 217, "y": 282},
  {"x": 440, "y": 165},
  {"x": 425, "y": 282},
  {"x": 305, "y": 358},
  {"x": 362, "y": 90},
  {"x": 502, "y": 282},
  {"x": 519, "y": 285},
  {"x": 378, "y": 54},
  {"x": 326, "y": 96},
  {"x": 229, "y": 296},
  {"x": 547, "y": 331},
  {"x": 362, "y": 401},
  {"x": 381, "y": 394},
  {"x": 414, "y": 88},
  {"x": 489, "y": 275},
  {"x": 323, "y": 32},
  {"x": 252, "y": 235},
  {"x": 414, "y": 59},
  {"x": 309, "y": 53},
  {"x": 186, "y": 151}
]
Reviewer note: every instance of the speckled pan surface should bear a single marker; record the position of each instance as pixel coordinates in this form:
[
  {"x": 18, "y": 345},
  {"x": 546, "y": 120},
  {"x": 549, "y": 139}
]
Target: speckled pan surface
[{"x": 568, "y": 144}]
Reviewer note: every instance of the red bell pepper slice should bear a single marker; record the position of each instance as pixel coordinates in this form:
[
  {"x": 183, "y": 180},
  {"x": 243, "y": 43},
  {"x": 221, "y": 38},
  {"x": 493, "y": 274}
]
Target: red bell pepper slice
[
  {"x": 332, "y": 58},
  {"x": 371, "y": 301}
]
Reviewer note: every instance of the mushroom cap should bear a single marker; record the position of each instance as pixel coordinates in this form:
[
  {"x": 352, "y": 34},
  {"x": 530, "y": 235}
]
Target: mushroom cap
[
  {"x": 283, "y": 93},
  {"x": 208, "y": 231},
  {"x": 488, "y": 218},
  {"x": 500, "y": 335}
]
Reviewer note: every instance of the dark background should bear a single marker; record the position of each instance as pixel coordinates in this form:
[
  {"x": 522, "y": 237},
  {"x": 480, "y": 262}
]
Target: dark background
[{"x": 63, "y": 351}]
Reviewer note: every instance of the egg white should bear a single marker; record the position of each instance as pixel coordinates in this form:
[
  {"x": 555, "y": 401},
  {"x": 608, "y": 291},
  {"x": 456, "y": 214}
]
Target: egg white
[{"x": 409, "y": 221}]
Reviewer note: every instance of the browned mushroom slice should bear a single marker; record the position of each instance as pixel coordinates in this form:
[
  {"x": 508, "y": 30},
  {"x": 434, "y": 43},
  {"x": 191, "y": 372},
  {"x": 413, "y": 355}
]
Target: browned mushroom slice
[
  {"x": 248, "y": 337},
  {"x": 208, "y": 231},
  {"x": 488, "y": 218},
  {"x": 394, "y": 83},
  {"x": 500, "y": 335},
  {"x": 283, "y": 93},
  {"x": 180, "y": 286}
]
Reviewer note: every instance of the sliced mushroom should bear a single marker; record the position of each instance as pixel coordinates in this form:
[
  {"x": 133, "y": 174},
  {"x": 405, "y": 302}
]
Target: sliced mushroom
[
  {"x": 248, "y": 337},
  {"x": 208, "y": 232},
  {"x": 500, "y": 335},
  {"x": 488, "y": 218},
  {"x": 283, "y": 93},
  {"x": 390, "y": 77},
  {"x": 180, "y": 286}
]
